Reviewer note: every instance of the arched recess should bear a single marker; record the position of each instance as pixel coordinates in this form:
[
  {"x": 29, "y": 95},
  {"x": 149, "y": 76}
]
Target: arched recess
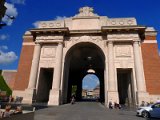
[{"x": 79, "y": 58}]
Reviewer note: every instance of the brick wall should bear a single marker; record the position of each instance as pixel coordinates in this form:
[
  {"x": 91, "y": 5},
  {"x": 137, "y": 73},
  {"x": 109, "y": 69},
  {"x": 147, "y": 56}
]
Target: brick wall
[
  {"x": 24, "y": 67},
  {"x": 151, "y": 62}
]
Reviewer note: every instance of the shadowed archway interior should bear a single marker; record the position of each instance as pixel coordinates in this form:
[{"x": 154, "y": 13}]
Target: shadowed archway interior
[{"x": 78, "y": 60}]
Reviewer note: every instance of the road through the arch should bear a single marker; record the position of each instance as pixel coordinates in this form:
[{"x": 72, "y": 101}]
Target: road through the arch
[{"x": 84, "y": 111}]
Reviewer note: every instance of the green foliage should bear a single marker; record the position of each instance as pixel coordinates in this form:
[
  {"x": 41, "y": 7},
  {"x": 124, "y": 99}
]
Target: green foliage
[
  {"x": 74, "y": 89},
  {"x": 4, "y": 86}
]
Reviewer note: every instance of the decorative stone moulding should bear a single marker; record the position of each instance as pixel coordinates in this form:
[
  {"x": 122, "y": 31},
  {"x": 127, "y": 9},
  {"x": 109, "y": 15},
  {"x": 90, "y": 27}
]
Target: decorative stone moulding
[
  {"x": 51, "y": 24},
  {"x": 123, "y": 51},
  {"x": 85, "y": 12},
  {"x": 48, "y": 51},
  {"x": 88, "y": 38},
  {"x": 123, "y": 36},
  {"x": 121, "y": 22},
  {"x": 48, "y": 37}
]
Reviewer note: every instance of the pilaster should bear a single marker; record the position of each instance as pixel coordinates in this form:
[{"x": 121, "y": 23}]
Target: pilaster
[
  {"x": 112, "y": 87},
  {"x": 142, "y": 95},
  {"x": 30, "y": 91},
  {"x": 54, "y": 98}
]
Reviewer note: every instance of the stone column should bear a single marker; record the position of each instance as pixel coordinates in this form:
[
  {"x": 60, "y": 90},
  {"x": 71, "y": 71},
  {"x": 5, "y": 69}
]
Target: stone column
[
  {"x": 141, "y": 86},
  {"x": 54, "y": 98},
  {"x": 112, "y": 86},
  {"x": 30, "y": 91}
]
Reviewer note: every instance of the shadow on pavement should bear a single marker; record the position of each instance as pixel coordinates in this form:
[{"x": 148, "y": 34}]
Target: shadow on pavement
[{"x": 28, "y": 116}]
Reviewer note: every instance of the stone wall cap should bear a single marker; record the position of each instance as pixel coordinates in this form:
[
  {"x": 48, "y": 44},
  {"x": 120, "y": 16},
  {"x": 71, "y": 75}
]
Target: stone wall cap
[
  {"x": 3, "y": 71},
  {"x": 27, "y": 33},
  {"x": 151, "y": 31}
]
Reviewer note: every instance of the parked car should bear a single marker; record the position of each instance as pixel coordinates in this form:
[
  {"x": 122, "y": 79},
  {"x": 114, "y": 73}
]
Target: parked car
[{"x": 149, "y": 111}]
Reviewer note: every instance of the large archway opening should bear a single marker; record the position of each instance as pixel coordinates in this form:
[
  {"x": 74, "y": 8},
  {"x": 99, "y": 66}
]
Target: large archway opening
[{"x": 80, "y": 60}]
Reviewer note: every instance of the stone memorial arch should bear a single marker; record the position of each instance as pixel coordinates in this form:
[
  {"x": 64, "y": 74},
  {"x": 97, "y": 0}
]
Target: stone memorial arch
[{"x": 57, "y": 54}]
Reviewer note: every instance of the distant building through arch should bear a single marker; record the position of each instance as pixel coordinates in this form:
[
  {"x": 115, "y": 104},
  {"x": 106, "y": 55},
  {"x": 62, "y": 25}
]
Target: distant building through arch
[{"x": 54, "y": 57}]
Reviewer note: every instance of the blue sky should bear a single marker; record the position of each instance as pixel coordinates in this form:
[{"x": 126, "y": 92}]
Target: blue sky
[
  {"x": 90, "y": 81},
  {"x": 28, "y": 12}
]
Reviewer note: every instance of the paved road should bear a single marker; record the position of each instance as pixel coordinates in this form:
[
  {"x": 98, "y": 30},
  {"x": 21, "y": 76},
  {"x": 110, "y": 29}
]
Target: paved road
[{"x": 84, "y": 111}]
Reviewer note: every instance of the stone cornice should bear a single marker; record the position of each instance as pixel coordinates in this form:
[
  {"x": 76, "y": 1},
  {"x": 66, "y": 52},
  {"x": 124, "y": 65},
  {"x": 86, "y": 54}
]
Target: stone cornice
[
  {"x": 85, "y": 31},
  {"x": 38, "y": 31},
  {"x": 125, "y": 29},
  {"x": 121, "y": 28}
]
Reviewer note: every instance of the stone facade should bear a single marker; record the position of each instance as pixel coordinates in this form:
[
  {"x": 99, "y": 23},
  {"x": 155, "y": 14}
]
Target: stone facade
[{"x": 56, "y": 52}]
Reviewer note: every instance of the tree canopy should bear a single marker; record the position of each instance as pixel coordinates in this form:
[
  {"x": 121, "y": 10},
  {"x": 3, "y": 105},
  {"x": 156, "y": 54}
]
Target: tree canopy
[{"x": 4, "y": 86}]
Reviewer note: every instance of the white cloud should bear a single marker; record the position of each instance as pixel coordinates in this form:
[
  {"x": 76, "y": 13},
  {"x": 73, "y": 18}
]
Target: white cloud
[
  {"x": 60, "y": 17},
  {"x": 4, "y": 47},
  {"x": 18, "y": 1},
  {"x": 97, "y": 82},
  {"x": 7, "y": 58},
  {"x": 35, "y": 24},
  {"x": 4, "y": 37},
  {"x": 85, "y": 87},
  {"x": 11, "y": 11}
]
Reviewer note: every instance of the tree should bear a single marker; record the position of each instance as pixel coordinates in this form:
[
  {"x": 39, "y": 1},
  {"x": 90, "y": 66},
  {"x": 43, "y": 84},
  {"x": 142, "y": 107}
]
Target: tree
[{"x": 4, "y": 86}]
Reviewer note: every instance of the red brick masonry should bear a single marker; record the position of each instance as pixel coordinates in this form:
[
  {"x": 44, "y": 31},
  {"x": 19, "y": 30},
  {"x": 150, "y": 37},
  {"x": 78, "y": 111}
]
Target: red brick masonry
[
  {"x": 151, "y": 63},
  {"x": 22, "y": 76}
]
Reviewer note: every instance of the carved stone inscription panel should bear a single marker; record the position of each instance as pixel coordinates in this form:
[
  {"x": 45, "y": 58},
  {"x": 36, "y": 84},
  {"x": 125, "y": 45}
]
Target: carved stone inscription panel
[
  {"x": 48, "y": 52},
  {"x": 123, "y": 51}
]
